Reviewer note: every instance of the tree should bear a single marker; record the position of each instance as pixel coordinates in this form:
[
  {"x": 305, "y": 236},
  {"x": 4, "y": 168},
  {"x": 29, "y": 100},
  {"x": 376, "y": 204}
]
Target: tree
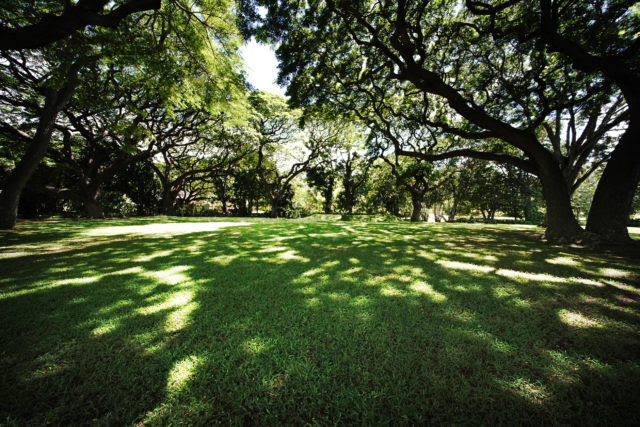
[
  {"x": 599, "y": 39},
  {"x": 457, "y": 188},
  {"x": 139, "y": 183},
  {"x": 222, "y": 188},
  {"x": 635, "y": 206},
  {"x": 196, "y": 158},
  {"x": 322, "y": 175},
  {"x": 33, "y": 98},
  {"x": 342, "y": 161},
  {"x": 354, "y": 170},
  {"x": 97, "y": 145},
  {"x": 246, "y": 188},
  {"x": 25, "y": 26},
  {"x": 479, "y": 87},
  {"x": 418, "y": 178},
  {"x": 583, "y": 196},
  {"x": 381, "y": 191},
  {"x": 489, "y": 190},
  {"x": 284, "y": 150},
  {"x": 115, "y": 121},
  {"x": 176, "y": 44}
]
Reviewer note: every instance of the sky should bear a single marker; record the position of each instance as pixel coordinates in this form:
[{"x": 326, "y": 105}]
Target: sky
[{"x": 261, "y": 65}]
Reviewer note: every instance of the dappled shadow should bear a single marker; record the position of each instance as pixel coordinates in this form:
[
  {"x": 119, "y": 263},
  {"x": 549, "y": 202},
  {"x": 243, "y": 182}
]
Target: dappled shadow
[{"x": 285, "y": 322}]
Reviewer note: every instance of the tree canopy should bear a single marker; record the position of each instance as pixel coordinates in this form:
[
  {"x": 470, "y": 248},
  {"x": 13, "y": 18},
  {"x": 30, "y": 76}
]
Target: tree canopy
[{"x": 462, "y": 76}]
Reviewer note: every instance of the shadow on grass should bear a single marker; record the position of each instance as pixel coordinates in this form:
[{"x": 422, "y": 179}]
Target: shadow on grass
[{"x": 283, "y": 322}]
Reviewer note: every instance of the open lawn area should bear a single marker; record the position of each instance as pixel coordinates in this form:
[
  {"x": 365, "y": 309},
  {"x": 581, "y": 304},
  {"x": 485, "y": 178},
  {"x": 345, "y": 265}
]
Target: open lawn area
[{"x": 256, "y": 321}]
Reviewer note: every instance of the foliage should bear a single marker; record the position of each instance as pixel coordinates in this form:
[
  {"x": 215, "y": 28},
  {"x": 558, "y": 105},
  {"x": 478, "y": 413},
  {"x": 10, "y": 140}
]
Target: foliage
[
  {"x": 118, "y": 204},
  {"x": 322, "y": 176},
  {"x": 427, "y": 78},
  {"x": 383, "y": 193}
]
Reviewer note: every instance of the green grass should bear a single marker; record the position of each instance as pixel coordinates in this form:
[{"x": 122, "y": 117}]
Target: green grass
[{"x": 295, "y": 322}]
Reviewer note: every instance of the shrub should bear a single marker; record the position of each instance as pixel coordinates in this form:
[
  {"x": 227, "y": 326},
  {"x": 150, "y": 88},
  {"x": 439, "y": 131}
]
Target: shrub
[{"x": 119, "y": 205}]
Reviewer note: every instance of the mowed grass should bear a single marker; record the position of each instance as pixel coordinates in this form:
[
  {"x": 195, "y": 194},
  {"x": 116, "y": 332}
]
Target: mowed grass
[{"x": 248, "y": 321}]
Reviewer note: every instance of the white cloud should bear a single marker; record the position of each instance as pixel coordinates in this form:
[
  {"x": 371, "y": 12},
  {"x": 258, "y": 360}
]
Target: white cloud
[{"x": 261, "y": 66}]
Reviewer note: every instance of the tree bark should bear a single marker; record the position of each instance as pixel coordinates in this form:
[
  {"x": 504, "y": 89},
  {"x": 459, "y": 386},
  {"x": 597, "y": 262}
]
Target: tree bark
[
  {"x": 328, "y": 202},
  {"x": 275, "y": 202},
  {"x": 52, "y": 28},
  {"x": 241, "y": 207},
  {"x": 454, "y": 210},
  {"x": 416, "y": 201},
  {"x": 54, "y": 102},
  {"x": 562, "y": 226},
  {"x": 611, "y": 205},
  {"x": 168, "y": 205},
  {"x": 93, "y": 208},
  {"x": 348, "y": 202}
]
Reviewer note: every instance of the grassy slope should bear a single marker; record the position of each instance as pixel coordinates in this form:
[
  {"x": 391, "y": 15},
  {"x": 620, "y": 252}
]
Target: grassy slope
[{"x": 294, "y": 322}]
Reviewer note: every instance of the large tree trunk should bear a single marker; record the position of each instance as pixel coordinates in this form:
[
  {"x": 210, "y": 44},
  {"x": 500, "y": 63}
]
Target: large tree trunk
[
  {"x": 275, "y": 204},
  {"x": 454, "y": 210},
  {"x": 328, "y": 202},
  {"x": 562, "y": 226},
  {"x": 169, "y": 209},
  {"x": 54, "y": 102},
  {"x": 168, "y": 202},
  {"x": 611, "y": 205},
  {"x": 416, "y": 201},
  {"x": 349, "y": 204},
  {"x": 93, "y": 208},
  {"x": 88, "y": 196},
  {"x": 241, "y": 207},
  {"x": 168, "y": 206}
]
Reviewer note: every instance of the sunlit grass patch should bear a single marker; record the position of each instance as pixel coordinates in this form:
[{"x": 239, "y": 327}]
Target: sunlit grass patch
[
  {"x": 424, "y": 288},
  {"x": 177, "y": 299},
  {"x": 391, "y": 291},
  {"x": 303, "y": 322},
  {"x": 534, "y": 392},
  {"x": 578, "y": 320},
  {"x": 523, "y": 275},
  {"x": 256, "y": 345},
  {"x": 161, "y": 229},
  {"x": 291, "y": 255},
  {"x": 149, "y": 257},
  {"x": 613, "y": 272},
  {"x": 180, "y": 317},
  {"x": 456, "y": 265},
  {"x": 563, "y": 260},
  {"x": 170, "y": 276},
  {"x": 182, "y": 373}
]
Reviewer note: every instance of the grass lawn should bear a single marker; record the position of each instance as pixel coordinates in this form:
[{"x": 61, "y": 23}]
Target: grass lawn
[{"x": 255, "y": 321}]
